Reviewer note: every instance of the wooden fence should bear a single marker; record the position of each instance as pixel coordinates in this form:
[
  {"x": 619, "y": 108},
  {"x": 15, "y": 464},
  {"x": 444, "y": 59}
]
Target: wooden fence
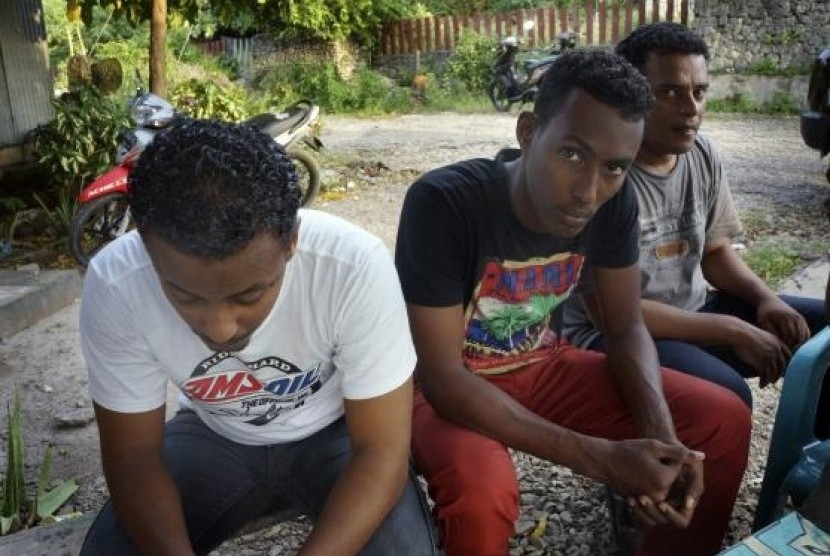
[{"x": 596, "y": 21}]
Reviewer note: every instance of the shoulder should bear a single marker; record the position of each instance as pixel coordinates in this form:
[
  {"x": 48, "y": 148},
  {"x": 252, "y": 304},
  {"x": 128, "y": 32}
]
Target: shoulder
[
  {"x": 705, "y": 150},
  {"x": 124, "y": 258},
  {"x": 328, "y": 237},
  {"x": 466, "y": 173}
]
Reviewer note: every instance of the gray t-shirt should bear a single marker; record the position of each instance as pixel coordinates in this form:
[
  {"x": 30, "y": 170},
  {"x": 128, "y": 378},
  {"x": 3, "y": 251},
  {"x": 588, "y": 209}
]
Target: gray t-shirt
[{"x": 679, "y": 214}]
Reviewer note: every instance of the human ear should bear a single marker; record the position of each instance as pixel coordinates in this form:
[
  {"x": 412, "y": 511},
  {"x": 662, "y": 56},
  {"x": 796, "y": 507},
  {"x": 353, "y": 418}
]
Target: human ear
[{"x": 525, "y": 128}]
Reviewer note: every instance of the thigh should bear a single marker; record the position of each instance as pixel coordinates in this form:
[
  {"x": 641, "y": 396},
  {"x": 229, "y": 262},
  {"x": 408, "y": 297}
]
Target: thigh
[
  {"x": 318, "y": 462},
  {"x": 217, "y": 481},
  {"x": 719, "y": 366},
  {"x": 459, "y": 464},
  {"x": 696, "y": 361}
]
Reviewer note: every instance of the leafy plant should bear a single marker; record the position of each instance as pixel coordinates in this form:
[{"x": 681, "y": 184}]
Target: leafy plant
[
  {"x": 79, "y": 143},
  {"x": 18, "y": 511},
  {"x": 205, "y": 99},
  {"x": 471, "y": 62},
  {"x": 62, "y": 215}
]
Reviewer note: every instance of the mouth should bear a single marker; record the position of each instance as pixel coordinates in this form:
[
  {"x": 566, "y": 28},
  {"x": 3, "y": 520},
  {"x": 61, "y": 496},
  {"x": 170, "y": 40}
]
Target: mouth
[
  {"x": 686, "y": 130},
  {"x": 575, "y": 220},
  {"x": 235, "y": 345}
]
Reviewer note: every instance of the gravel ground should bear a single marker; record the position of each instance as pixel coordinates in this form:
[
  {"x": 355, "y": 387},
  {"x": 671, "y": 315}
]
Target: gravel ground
[{"x": 778, "y": 183}]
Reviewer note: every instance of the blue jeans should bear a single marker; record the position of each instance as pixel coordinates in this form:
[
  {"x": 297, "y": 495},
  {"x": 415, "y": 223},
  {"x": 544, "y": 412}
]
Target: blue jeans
[
  {"x": 719, "y": 364},
  {"x": 224, "y": 485}
]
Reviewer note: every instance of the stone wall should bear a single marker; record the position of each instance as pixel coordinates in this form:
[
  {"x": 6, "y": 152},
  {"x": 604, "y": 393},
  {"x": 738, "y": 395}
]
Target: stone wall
[{"x": 743, "y": 34}]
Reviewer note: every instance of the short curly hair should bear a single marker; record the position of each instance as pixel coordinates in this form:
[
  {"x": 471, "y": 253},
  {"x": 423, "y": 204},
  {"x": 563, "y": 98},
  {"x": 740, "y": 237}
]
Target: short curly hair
[
  {"x": 209, "y": 187},
  {"x": 664, "y": 37},
  {"x": 602, "y": 74}
]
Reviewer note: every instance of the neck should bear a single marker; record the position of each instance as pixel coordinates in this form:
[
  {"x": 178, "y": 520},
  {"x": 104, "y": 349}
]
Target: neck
[
  {"x": 519, "y": 201},
  {"x": 656, "y": 163}
]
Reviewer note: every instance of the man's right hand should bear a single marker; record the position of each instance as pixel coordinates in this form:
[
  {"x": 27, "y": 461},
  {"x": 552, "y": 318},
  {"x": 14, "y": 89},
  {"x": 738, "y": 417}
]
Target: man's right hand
[
  {"x": 662, "y": 482},
  {"x": 761, "y": 350}
]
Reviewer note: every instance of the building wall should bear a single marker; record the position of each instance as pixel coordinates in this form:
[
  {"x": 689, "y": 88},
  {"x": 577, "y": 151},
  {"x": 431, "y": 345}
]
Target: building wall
[
  {"x": 744, "y": 33},
  {"x": 25, "y": 81}
]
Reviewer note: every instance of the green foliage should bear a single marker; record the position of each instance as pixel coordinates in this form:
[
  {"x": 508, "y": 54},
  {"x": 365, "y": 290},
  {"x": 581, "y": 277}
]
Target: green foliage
[
  {"x": 18, "y": 511},
  {"x": 80, "y": 142},
  {"x": 772, "y": 263},
  {"x": 286, "y": 83},
  {"x": 781, "y": 104},
  {"x": 205, "y": 99},
  {"x": 471, "y": 62},
  {"x": 62, "y": 215}
]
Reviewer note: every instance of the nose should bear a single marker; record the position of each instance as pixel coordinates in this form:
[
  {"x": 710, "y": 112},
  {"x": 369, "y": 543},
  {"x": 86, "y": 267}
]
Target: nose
[
  {"x": 219, "y": 324},
  {"x": 689, "y": 105},
  {"x": 585, "y": 192}
]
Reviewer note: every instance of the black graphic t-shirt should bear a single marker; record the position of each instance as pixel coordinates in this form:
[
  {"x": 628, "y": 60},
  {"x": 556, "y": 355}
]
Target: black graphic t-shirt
[{"x": 459, "y": 242}]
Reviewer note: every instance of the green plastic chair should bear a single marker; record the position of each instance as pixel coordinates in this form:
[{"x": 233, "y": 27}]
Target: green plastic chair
[{"x": 796, "y": 456}]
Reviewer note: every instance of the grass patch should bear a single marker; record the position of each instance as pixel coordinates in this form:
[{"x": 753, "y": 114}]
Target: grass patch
[
  {"x": 781, "y": 104},
  {"x": 772, "y": 263}
]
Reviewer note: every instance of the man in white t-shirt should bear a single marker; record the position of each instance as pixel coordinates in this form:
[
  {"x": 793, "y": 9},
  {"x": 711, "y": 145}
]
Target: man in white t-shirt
[{"x": 285, "y": 332}]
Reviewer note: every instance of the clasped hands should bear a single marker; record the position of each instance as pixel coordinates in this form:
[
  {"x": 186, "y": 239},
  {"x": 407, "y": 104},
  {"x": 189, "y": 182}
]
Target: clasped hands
[{"x": 661, "y": 482}]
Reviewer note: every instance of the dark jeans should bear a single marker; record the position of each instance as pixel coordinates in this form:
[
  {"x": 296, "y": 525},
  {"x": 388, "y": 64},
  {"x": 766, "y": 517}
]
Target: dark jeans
[
  {"x": 719, "y": 364},
  {"x": 224, "y": 485}
]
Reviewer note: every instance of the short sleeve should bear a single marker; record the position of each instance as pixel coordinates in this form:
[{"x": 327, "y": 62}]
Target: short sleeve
[
  {"x": 123, "y": 375},
  {"x": 722, "y": 219},
  {"x": 374, "y": 345},
  {"x": 430, "y": 248},
  {"x": 614, "y": 233}
]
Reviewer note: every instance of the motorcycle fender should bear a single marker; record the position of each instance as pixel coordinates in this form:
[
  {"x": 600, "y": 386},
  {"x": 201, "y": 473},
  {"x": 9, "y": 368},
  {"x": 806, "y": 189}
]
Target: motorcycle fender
[
  {"x": 313, "y": 143},
  {"x": 113, "y": 180}
]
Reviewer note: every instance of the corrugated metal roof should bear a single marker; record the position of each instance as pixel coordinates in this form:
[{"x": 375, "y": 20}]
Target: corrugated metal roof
[{"x": 25, "y": 80}]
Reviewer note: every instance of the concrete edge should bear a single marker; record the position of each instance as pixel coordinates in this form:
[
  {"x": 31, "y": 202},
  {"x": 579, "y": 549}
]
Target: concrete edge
[
  {"x": 42, "y": 294},
  {"x": 66, "y": 537}
]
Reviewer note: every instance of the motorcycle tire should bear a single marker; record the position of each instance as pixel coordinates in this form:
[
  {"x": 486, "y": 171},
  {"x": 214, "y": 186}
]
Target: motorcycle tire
[
  {"x": 309, "y": 174},
  {"x": 497, "y": 92},
  {"x": 97, "y": 223}
]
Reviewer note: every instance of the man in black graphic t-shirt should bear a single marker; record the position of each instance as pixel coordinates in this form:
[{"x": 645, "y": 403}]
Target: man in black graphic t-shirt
[{"x": 487, "y": 251}]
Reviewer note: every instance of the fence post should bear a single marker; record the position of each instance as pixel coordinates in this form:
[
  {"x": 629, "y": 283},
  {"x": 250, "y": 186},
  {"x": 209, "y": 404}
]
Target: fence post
[
  {"x": 641, "y": 13},
  {"x": 602, "y": 15},
  {"x": 655, "y": 10},
  {"x": 615, "y": 23},
  {"x": 629, "y": 10},
  {"x": 589, "y": 21},
  {"x": 670, "y": 10},
  {"x": 684, "y": 12}
]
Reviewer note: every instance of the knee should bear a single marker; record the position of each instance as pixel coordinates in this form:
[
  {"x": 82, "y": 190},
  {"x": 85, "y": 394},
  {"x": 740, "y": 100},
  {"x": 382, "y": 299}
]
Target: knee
[
  {"x": 476, "y": 512},
  {"x": 727, "y": 425}
]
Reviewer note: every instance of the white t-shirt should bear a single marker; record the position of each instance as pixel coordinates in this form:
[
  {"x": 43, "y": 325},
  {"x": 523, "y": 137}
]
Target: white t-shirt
[{"x": 337, "y": 330}]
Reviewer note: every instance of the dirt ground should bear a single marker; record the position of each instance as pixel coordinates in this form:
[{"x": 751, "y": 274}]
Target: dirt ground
[{"x": 369, "y": 165}]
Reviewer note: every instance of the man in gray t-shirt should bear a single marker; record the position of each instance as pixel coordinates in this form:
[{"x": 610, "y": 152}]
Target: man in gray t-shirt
[{"x": 741, "y": 328}]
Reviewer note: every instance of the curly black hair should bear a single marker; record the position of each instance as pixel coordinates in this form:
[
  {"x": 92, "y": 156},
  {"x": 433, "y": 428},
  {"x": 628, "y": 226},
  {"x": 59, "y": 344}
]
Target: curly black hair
[
  {"x": 664, "y": 37},
  {"x": 600, "y": 73},
  {"x": 209, "y": 187}
]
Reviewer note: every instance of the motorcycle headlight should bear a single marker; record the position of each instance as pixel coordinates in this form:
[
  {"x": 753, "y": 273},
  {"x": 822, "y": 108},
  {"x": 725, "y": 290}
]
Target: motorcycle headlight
[{"x": 151, "y": 110}]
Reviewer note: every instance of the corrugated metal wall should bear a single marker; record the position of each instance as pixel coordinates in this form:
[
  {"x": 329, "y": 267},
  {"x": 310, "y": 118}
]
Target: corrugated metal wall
[{"x": 25, "y": 80}]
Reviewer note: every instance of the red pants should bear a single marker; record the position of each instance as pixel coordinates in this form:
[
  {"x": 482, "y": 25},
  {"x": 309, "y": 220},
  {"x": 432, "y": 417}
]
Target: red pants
[{"x": 473, "y": 483}]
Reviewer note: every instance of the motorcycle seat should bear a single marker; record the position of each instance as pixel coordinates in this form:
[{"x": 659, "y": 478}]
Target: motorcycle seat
[
  {"x": 531, "y": 65},
  {"x": 276, "y": 123}
]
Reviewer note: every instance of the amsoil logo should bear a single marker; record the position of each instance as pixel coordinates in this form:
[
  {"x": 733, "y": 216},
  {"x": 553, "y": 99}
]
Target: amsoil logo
[{"x": 223, "y": 387}]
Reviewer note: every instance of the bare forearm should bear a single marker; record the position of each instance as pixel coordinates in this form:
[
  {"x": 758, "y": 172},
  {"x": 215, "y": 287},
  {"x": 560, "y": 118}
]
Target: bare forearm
[
  {"x": 636, "y": 372},
  {"x": 364, "y": 494},
  {"x": 725, "y": 270},
  {"x": 148, "y": 504},
  {"x": 665, "y": 322},
  {"x": 476, "y": 404}
]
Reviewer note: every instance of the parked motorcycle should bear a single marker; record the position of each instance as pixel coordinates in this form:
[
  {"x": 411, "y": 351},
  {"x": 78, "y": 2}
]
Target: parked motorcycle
[
  {"x": 507, "y": 86},
  {"x": 815, "y": 120},
  {"x": 104, "y": 214}
]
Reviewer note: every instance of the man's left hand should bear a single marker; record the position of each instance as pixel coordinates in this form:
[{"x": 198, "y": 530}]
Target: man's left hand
[
  {"x": 780, "y": 319},
  {"x": 679, "y": 506}
]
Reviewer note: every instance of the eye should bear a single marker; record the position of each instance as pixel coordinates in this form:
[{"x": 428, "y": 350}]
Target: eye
[
  {"x": 669, "y": 93},
  {"x": 181, "y": 298},
  {"x": 700, "y": 93},
  {"x": 248, "y": 298},
  {"x": 616, "y": 170},
  {"x": 571, "y": 155}
]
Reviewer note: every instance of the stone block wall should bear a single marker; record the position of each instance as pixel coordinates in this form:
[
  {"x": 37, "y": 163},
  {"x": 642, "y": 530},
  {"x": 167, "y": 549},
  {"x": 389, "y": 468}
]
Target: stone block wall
[{"x": 743, "y": 34}]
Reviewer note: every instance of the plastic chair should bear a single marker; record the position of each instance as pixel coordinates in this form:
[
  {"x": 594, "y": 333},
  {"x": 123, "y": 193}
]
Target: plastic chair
[{"x": 796, "y": 456}]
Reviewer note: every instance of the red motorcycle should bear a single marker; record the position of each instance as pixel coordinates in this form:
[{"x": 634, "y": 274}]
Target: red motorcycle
[{"x": 104, "y": 214}]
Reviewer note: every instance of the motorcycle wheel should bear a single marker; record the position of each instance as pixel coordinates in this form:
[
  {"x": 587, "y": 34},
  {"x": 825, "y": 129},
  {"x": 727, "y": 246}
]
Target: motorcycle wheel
[
  {"x": 497, "y": 92},
  {"x": 96, "y": 224},
  {"x": 309, "y": 174}
]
